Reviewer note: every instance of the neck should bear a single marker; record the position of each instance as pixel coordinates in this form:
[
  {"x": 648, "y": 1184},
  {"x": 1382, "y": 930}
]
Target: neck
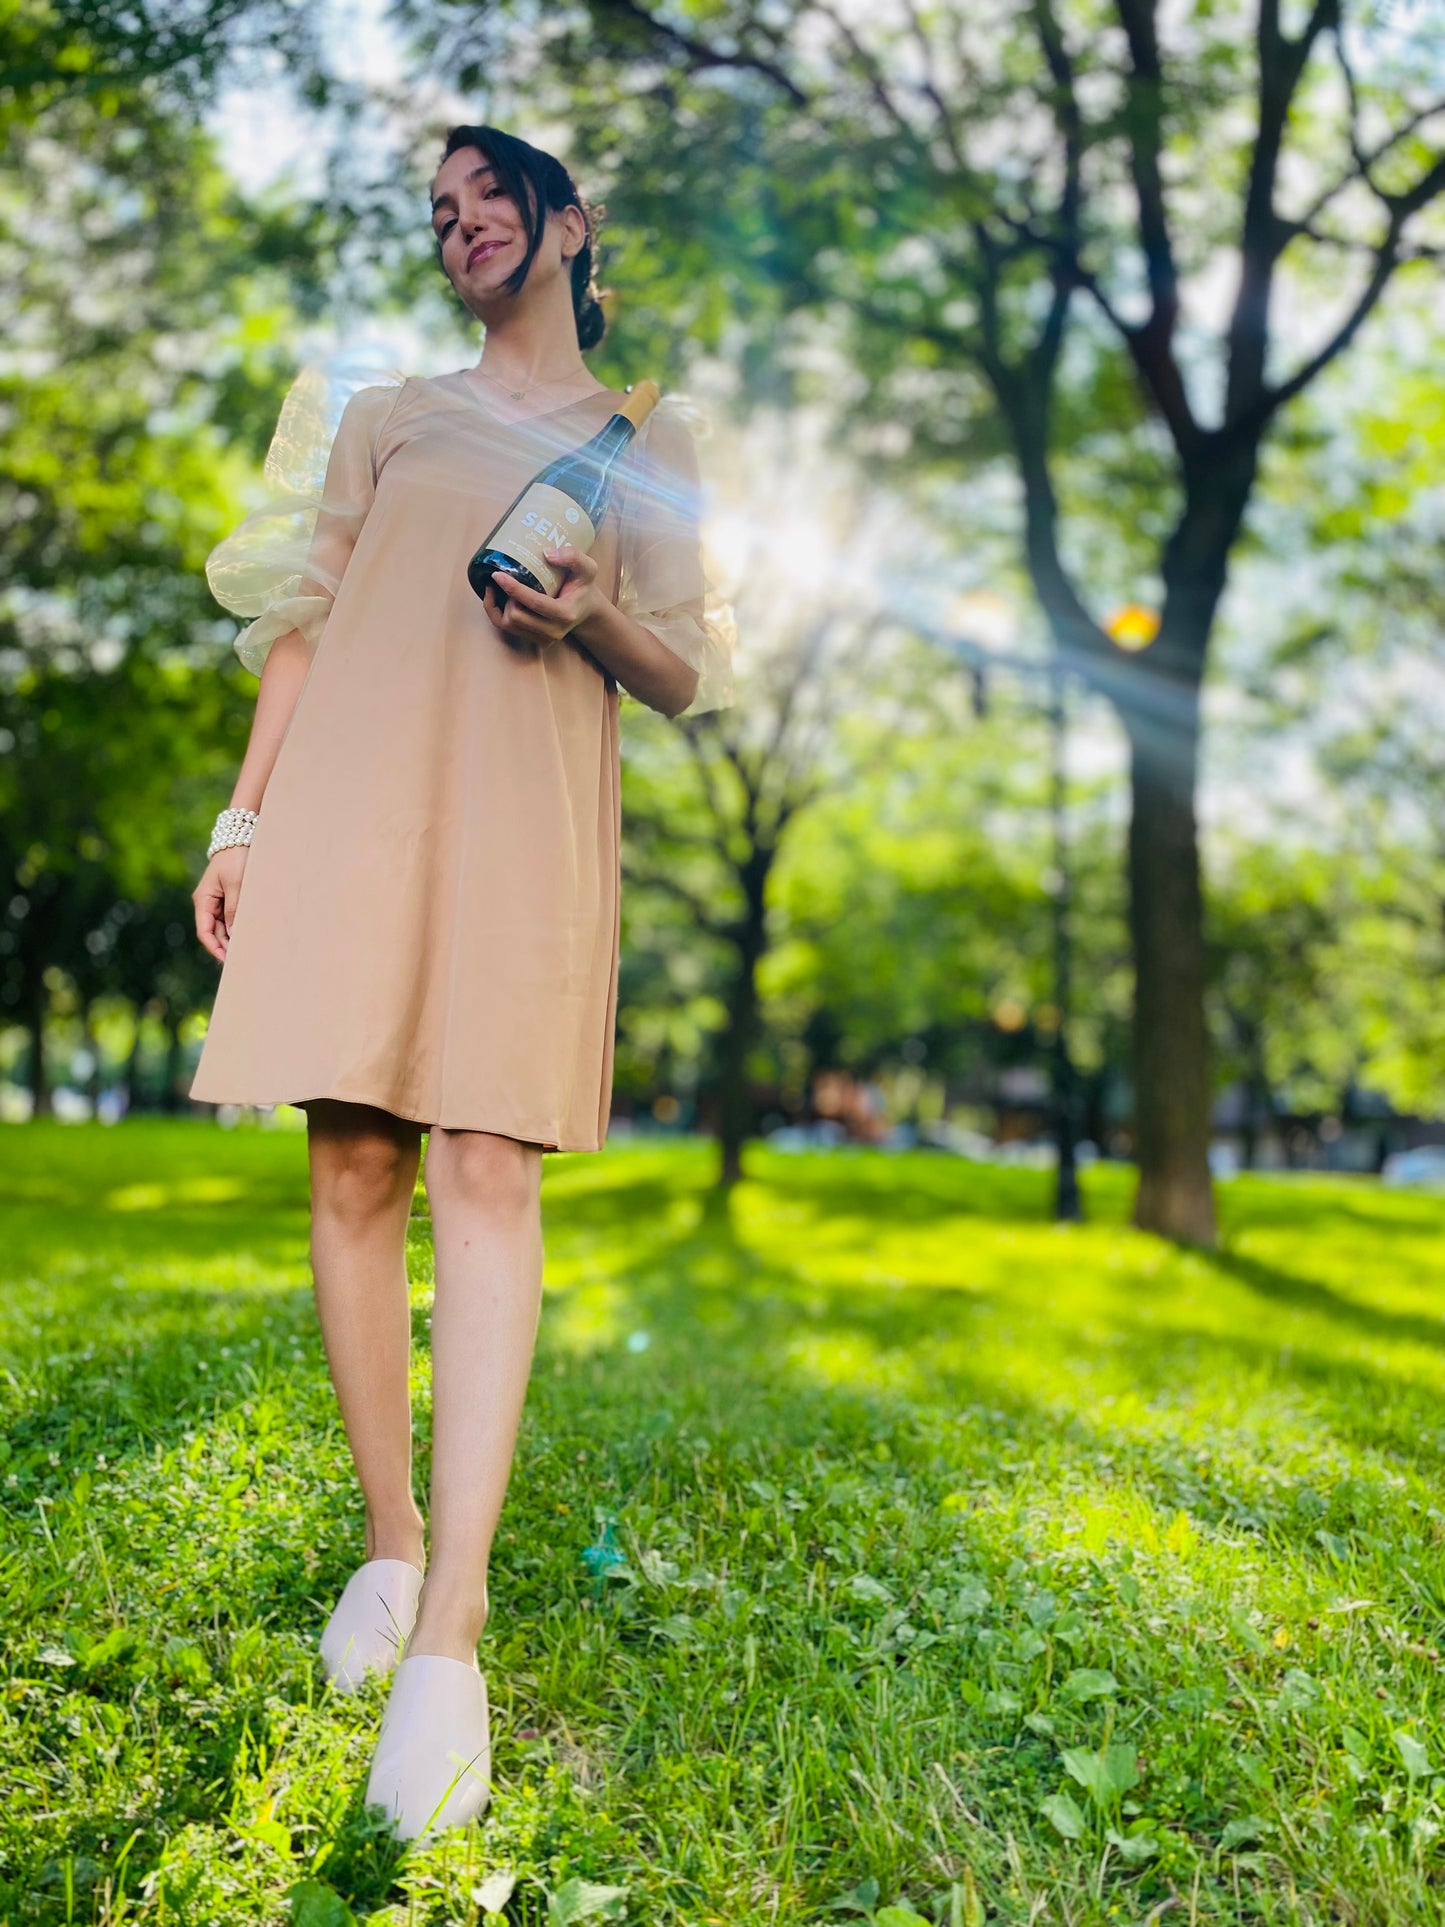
[{"x": 522, "y": 348}]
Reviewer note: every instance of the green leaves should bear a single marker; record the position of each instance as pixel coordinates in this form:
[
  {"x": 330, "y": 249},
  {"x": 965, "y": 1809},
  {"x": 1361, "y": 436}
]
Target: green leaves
[
  {"x": 314, "y": 1904},
  {"x": 1416, "y": 1759},
  {"x": 1087, "y": 1683},
  {"x": 1106, "y": 1776},
  {"x": 583, "y": 1900},
  {"x": 1062, "y": 1810}
]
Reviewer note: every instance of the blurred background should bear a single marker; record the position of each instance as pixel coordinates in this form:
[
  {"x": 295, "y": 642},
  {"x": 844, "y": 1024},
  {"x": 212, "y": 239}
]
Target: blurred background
[{"x": 1076, "y": 468}]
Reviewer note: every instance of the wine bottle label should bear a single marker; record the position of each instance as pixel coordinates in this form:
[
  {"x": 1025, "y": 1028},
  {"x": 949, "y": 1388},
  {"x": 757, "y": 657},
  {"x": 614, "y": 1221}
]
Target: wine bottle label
[{"x": 543, "y": 518}]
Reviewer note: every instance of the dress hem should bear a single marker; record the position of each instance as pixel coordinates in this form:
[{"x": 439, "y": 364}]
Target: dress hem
[{"x": 411, "y": 1117}]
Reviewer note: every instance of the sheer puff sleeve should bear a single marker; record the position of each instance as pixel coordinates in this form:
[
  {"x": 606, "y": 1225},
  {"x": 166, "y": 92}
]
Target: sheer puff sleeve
[
  {"x": 283, "y": 565},
  {"x": 663, "y": 582}
]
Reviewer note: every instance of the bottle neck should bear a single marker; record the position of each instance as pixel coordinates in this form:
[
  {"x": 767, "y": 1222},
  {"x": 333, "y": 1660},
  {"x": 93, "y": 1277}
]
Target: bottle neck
[{"x": 610, "y": 440}]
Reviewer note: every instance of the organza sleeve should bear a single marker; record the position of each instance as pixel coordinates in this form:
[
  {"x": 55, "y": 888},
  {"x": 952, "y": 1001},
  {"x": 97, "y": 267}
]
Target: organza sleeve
[
  {"x": 663, "y": 580},
  {"x": 283, "y": 564}
]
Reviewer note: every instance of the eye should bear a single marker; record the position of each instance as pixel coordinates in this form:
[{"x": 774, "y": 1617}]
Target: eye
[{"x": 441, "y": 232}]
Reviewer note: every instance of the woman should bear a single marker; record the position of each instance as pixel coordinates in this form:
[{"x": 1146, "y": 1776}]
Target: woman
[{"x": 430, "y": 934}]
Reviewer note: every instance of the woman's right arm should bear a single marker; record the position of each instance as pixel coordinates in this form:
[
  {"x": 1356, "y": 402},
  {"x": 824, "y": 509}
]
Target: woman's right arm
[
  {"x": 219, "y": 890},
  {"x": 282, "y": 660}
]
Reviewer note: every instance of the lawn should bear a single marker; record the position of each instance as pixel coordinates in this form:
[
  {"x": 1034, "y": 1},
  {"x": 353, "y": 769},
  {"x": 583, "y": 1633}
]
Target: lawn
[{"x": 966, "y": 1567}]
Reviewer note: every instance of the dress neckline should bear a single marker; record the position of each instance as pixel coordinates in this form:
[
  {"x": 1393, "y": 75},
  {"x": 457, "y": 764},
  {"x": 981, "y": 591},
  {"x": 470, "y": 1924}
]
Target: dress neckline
[{"x": 540, "y": 414}]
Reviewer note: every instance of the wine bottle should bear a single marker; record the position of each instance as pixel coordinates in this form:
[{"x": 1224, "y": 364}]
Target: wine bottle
[{"x": 563, "y": 502}]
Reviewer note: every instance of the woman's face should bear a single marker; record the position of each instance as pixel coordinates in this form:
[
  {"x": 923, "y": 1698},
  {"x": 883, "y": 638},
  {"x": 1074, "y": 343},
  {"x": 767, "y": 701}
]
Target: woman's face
[{"x": 480, "y": 231}]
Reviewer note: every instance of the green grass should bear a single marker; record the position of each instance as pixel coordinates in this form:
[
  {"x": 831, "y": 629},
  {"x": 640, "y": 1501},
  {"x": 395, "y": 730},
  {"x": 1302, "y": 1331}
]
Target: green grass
[{"x": 973, "y": 1566}]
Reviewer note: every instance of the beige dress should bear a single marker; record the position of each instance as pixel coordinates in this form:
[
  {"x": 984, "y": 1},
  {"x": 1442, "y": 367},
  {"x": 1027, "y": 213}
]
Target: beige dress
[{"x": 428, "y": 919}]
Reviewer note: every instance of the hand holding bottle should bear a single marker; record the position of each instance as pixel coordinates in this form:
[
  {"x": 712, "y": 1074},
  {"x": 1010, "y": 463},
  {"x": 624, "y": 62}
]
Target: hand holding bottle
[{"x": 527, "y": 615}]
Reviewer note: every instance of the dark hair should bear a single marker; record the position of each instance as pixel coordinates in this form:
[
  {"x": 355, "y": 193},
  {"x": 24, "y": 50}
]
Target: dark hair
[{"x": 521, "y": 166}]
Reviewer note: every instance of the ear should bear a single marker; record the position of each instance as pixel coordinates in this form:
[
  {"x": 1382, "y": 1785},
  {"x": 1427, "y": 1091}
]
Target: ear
[{"x": 574, "y": 231}]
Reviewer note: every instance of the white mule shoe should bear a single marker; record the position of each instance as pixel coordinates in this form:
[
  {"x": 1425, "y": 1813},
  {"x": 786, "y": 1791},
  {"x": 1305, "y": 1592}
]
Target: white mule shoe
[
  {"x": 373, "y": 1616},
  {"x": 432, "y": 1765}
]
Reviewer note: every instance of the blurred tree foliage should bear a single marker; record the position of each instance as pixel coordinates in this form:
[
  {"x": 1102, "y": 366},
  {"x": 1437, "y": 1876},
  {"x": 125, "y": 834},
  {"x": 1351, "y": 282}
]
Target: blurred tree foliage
[
  {"x": 986, "y": 265},
  {"x": 1008, "y": 226},
  {"x": 150, "y": 318}
]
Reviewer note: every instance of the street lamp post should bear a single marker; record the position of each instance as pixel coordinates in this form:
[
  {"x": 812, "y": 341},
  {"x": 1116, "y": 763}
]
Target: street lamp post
[
  {"x": 1068, "y": 1202},
  {"x": 984, "y": 627},
  {"x": 981, "y": 626}
]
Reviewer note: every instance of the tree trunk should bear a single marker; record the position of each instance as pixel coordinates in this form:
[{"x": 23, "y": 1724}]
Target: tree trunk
[
  {"x": 130, "y": 1077},
  {"x": 170, "y": 1095},
  {"x": 1172, "y": 1091},
  {"x": 94, "y": 1084},
  {"x": 734, "y": 1105},
  {"x": 42, "y": 1104},
  {"x": 735, "y": 1119}
]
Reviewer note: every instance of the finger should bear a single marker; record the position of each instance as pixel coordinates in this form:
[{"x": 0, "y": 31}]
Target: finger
[
  {"x": 574, "y": 560},
  {"x": 206, "y": 925},
  {"x": 524, "y": 598}
]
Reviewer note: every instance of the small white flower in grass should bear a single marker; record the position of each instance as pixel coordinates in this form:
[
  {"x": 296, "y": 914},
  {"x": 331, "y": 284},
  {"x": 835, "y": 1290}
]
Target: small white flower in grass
[{"x": 639, "y": 1341}]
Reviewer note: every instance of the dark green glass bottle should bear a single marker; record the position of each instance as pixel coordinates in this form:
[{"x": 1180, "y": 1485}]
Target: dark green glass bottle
[{"x": 563, "y": 502}]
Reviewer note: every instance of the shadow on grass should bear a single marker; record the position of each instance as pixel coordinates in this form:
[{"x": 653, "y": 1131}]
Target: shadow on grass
[
  {"x": 723, "y": 1315},
  {"x": 1309, "y": 1295}
]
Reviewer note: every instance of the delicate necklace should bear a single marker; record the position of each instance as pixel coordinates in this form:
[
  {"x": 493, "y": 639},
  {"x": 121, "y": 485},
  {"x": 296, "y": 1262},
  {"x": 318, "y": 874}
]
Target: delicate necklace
[{"x": 521, "y": 394}]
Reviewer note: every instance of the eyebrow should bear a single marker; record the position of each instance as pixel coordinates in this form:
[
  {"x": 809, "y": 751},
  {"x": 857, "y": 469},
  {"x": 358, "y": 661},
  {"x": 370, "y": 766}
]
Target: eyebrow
[{"x": 449, "y": 200}]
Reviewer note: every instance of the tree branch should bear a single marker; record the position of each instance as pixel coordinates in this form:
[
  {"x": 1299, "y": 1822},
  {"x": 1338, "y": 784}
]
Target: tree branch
[
  {"x": 872, "y": 73},
  {"x": 1263, "y": 236},
  {"x": 700, "y": 53},
  {"x": 1387, "y": 258},
  {"x": 930, "y": 91},
  {"x": 1151, "y": 344}
]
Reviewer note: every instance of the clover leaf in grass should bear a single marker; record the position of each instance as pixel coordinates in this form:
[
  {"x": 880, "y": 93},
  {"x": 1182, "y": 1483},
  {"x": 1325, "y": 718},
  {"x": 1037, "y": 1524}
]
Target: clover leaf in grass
[
  {"x": 1416, "y": 1759},
  {"x": 584, "y": 1900},
  {"x": 314, "y": 1904},
  {"x": 492, "y": 1894},
  {"x": 1133, "y": 1848},
  {"x": 863, "y": 1585},
  {"x": 1062, "y": 1811},
  {"x": 858, "y": 1900},
  {"x": 1088, "y": 1683},
  {"x": 1298, "y": 1694},
  {"x": 1106, "y": 1776},
  {"x": 971, "y": 1598}
]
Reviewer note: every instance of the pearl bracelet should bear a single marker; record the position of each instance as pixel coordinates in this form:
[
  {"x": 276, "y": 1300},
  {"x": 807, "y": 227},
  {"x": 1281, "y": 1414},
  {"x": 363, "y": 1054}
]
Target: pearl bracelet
[{"x": 232, "y": 826}]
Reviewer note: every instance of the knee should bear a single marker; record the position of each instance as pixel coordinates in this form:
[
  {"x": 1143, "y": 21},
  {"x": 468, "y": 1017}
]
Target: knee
[
  {"x": 362, "y": 1177},
  {"x": 483, "y": 1171}
]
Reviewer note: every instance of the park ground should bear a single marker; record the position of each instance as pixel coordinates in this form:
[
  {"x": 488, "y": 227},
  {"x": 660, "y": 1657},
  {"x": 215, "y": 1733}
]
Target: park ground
[{"x": 967, "y": 1569}]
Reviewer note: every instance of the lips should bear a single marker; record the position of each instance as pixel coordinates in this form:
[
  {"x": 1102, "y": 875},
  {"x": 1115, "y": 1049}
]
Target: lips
[{"x": 482, "y": 250}]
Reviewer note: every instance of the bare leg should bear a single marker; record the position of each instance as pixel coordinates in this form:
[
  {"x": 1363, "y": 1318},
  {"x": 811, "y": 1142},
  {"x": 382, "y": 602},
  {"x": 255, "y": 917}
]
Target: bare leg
[
  {"x": 364, "y": 1165},
  {"x": 485, "y": 1194}
]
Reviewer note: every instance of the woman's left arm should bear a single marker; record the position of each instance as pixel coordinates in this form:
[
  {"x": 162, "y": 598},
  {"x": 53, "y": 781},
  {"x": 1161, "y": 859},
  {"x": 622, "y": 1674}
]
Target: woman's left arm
[
  {"x": 644, "y": 665},
  {"x": 666, "y": 637}
]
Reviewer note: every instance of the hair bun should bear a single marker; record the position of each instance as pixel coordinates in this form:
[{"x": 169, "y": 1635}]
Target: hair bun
[{"x": 591, "y": 321}]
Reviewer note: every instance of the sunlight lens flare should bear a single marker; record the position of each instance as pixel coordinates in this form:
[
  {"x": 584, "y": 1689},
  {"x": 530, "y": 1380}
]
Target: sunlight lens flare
[{"x": 1133, "y": 627}]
